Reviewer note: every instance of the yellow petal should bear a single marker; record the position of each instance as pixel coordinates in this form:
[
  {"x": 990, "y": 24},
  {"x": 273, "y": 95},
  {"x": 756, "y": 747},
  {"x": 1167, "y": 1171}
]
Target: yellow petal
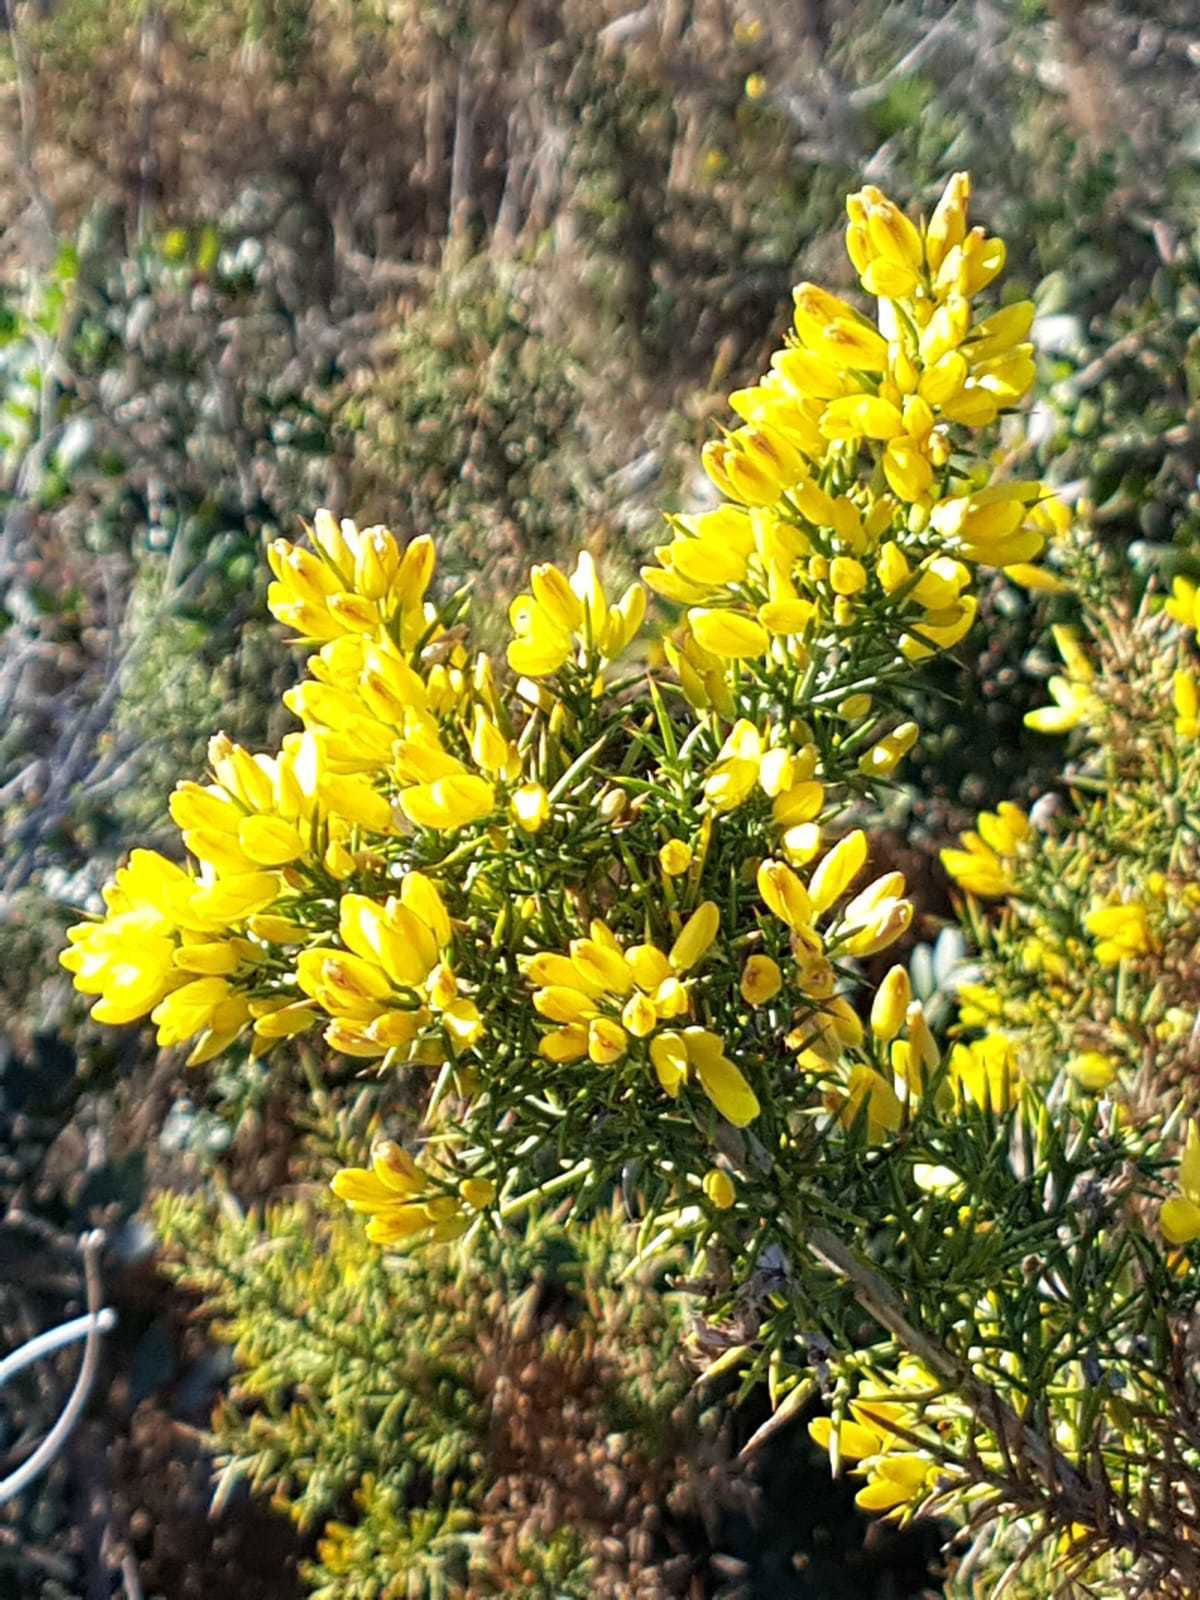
[
  {"x": 697, "y": 936},
  {"x": 1179, "y": 1220}
]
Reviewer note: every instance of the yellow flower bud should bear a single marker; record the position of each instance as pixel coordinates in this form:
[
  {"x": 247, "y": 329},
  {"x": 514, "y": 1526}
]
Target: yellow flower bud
[
  {"x": 675, "y": 857},
  {"x": 718, "y": 1187},
  {"x": 338, "y": 861},
  {"x": 882, "y": 759},
  {"x": 907, "y": 469},
  {"x": 639, "y": 1016},
  {"x": 801, "y": 843},
  {"x": 948, "y": 225},
  {"x": 892, "y": 568},
  {"x": 922, "y": 1045},
  {"x": 847, "y": 576},
  {"x": 613, "y": 805},
  {"x": 854, "y": 707},
  {"x": 531, "y": 807},
  {"x": 785, "y": 894},
  {"x": 890, "y": 1004},
  {"x": 477, "y": 1192},
  {"x": 1092, "y": 1070}
]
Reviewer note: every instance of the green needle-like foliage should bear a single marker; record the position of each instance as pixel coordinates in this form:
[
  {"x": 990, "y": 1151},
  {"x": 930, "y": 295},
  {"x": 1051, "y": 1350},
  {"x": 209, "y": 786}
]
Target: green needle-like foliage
[{"x": 445, "y": 1418}]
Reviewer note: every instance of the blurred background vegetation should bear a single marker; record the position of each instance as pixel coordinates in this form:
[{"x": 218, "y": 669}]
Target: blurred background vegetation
[{"x": 484, "y": 268}]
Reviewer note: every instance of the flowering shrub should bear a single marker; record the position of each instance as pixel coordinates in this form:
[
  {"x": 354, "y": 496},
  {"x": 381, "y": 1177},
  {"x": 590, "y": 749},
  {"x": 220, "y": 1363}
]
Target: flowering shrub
[
  {"x": 609, "y": 918},
  {"x": 488, "y": 1418}
]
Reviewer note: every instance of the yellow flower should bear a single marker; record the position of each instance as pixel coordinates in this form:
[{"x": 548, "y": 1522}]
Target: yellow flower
[
  {"x": 992, "y": 526},
  {"x": 696, "y": 937},
  {"x": 861, "y": 416},
  {"x": 610, "y": 1002},
  {"x": 882, "y": 759},
  {"x": 1179, "y": 1217},
  {"x": 709, "y": 551},
  {"x": 491, "y": 751},
  {"x": 1184, "y": 604},
  {"x": 915, "y": 1058},
  {"x": 835, "y": 333},
  {"x": 390, "y": 935},
  {"x": 883, "y": 244},
  {"x": 1038, "y": 579},
  {"x": 449, "y": 802},
  {"x": 563, "y": 616},
  {"x": 1187, "y": 705},
  {"x": 754, "y": 465},
  {"x": 907, "y": 468},
  {"x": 1075, "y": 701},
  {"x": 892, "y": 567},
  {"x": 394, "y": 1194},
  {"x": 871, "y": 1096},
  {"x": 701, "y": 674},
  {"x": 381, "y": 987},
  {"x": 728, "y": 635},
  {"x": 719, "y": 1077},
  {"x": 761, "y": 980},
  {"x": 358, "y": 582},
  {"x": 948, "y": 225},
  {"x": 719, "y": 1189},
  {"x": 984, "y": 866},
  {"x": 1121, "y": 931},
  {"x": 158, "y": 938},
  {"x": 785, "y": 894},
  {"x": 206, "y": 1006},
  {"x": 128, "y": 960},
  {"x": 675, "y": 857},
  {"x": 897, "y": 1475},
  {"x": 890, "y": 1004},
  {"x": 745, "y": 760},
  {"x": 1073, "y": 704},
  {"x": 260, "y": 810},
  {"x": 838, "y": 870},
  {"x": 531, "y": 807},
  {"x": 874, "y": 919},
  {"x": 1092, "y": 1069},
  {"x": 985, "y": 1071}
]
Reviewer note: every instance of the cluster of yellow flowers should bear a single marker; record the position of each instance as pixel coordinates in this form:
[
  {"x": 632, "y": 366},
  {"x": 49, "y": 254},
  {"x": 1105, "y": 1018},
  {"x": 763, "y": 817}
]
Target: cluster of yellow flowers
[
  {"x": 610, "y": 1002},
  {"x": 882, "y": 1436},
  {"x": 1091, "y": 959},
  {"x": 587, "y": 894},
  {"x": 807, "y": 546},
  {"x": 605, "y": 913}
]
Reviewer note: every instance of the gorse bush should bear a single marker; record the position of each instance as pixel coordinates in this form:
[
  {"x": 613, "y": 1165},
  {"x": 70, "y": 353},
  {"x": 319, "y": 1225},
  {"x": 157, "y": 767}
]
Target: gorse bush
[
  {"x": 1089, "y": 966},
  {"x": 519, "y": 1419},
  {"x": 1084, "y": 917},
  {"x": 602, "y": 920}
]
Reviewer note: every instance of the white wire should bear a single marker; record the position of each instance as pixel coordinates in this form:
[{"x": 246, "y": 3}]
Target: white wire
[
  {"x": 45, "y": 1344},
  {"x": 91, "y": 1326}
]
